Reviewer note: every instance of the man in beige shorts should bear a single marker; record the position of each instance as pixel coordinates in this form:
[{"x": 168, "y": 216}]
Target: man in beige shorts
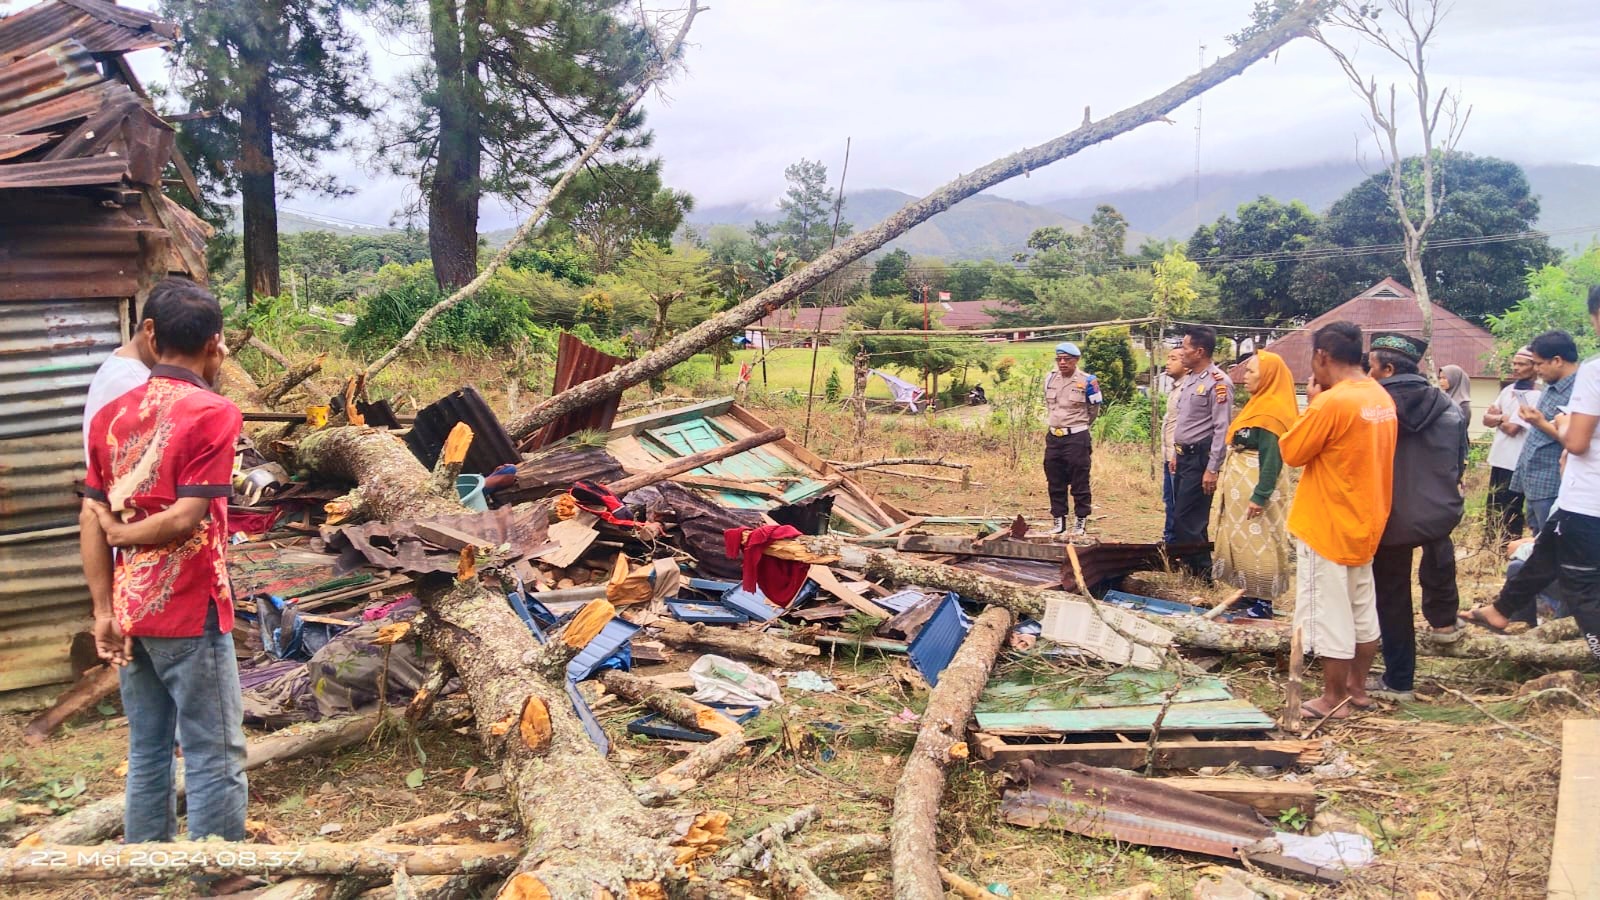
[{"x": 1345, "y": 443}]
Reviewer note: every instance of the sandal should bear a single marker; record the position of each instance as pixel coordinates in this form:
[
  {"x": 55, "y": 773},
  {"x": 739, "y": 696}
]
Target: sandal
[
  {"x": 1474, "y": 617},
  {"x": 1456, "y": 632},
  {"x": 1310, "y": 712}
]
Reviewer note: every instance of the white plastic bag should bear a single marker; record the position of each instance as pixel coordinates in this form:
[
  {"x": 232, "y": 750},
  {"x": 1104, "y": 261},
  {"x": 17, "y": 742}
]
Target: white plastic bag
[{"x": 718, "y": 679}]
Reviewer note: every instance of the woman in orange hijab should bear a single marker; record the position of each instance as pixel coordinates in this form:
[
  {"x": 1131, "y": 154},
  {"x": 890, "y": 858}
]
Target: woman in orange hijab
[{"x": 1250, "y": 514}]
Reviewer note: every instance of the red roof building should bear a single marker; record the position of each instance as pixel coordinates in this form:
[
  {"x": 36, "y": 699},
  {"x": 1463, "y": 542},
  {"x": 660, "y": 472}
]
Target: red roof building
[{"x": 1391, "y": 306}]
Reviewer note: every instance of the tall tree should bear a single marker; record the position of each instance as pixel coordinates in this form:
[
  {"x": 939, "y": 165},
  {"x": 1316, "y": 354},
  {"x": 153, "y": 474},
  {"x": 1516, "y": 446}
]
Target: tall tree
[
  {"x": 284, "y": 77},
  {"x": 1404, "y": 36},
  {"x": 889, "y": 274},
  {"x": 808, "y": 207},
  {"x": 607, "y": 208},
  {"x": 508, "y": 97},
  {"x": 1488, "y": 196},
  {"x": 1253, "y": 258}
]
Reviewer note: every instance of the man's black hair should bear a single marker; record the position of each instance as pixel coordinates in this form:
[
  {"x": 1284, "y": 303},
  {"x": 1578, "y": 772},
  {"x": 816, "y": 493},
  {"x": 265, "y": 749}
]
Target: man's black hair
[
  {"x": 1555, "y": 343},
  {"x": 1341, "y": 341},
  {"x": 1402, "y": 364},
  {"x": 186, "y": 316},
  {"x": 1202, "y": 337},
  {"x": 1594, "y": 299}
]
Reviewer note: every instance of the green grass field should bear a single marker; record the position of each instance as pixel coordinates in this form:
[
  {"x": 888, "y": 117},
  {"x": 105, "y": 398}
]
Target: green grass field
[{"x": 790, "y": 369}]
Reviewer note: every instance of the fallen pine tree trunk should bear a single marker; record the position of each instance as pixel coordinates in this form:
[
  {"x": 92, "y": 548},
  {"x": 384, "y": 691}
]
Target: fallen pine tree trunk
[
  {"x": 671, "y": 705},
  {"x": 390, "y": 483},
  {"x": 62, "y": 862},
  {"x": 551, "y": 768},
  {"x": 913, "y": 829},
  {"x": 687, "y": 773},
  {"x": 1193, "y": 632},
  {"x": 91, "y": 687},
  {"x": 735, "y": 642}
]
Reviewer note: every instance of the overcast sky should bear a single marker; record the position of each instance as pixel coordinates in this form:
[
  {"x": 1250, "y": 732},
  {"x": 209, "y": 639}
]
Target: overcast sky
[{"x": 927, "y": 89}]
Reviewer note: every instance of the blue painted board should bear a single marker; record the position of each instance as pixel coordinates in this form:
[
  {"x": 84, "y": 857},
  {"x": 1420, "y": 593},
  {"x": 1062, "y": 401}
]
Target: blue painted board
[{"x": 941, "y": 636}]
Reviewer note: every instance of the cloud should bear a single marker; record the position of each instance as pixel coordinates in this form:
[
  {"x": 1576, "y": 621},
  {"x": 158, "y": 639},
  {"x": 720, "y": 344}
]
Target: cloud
[{"x": 927, "y": 89}]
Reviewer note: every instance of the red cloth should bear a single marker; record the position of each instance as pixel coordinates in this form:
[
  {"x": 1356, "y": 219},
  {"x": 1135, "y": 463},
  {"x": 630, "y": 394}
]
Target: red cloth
[
  {"x": 779, "y": 579},
  {"x": 170, "y": 438}
]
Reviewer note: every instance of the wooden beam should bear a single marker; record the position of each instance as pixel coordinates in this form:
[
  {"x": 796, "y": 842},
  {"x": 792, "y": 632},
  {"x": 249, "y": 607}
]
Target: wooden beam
[
  {"x": 1575, "y": 855},
  {"x": 1168, "y": 754},
  {"x": 1001, "y": 548},
  {"x": 711, "y": 482},
  {"x": 693, "y": 461}
]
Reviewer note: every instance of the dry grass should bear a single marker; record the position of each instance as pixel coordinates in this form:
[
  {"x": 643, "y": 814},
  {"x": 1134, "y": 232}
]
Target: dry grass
[{"x": 1458, "y": 805}]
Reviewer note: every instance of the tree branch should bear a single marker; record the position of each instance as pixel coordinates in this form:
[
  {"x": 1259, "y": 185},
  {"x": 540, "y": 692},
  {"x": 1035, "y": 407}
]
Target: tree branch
[{"x": 1294, "y": 24}]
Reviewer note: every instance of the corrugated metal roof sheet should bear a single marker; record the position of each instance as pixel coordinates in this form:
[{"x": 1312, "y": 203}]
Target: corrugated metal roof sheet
[
  {"x": 491, "y": 446},
  {"x": 577, "y": 362},
  {"x": 613, "y": 637},
  {"x": 14, "y": 145},
  {"x": 51, "y": 72},
  {"x": 941, "y": 636},
  {"x": 39, "y": 477},
  {"x": 64, "y": 173},
  {"x": 1103, "y": 803},
  {"x": 60, "y": 247},
  {"x": 49, "y": 351},
  {"x": 102, "y": 27},
  {"x": 1391, "y": 306},
  {"x": 554, "y": 471},
  {"x": 43, "y": 603}
]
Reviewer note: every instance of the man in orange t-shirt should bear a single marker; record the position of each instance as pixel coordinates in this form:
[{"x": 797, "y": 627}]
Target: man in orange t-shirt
[{"x": 1345, "y": 442}]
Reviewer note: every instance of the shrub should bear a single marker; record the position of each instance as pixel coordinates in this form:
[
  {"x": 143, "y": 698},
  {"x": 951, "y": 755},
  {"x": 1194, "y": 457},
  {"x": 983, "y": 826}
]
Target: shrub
[
  {"x": 1123, "y": 423},
  {"x": 1108, "y": 353},
  {"x": 834, "y": 389}
]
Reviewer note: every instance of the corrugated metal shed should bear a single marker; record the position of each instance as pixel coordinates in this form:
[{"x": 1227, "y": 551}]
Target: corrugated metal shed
[
  {"x": 102, "y": 27},
  {"x": 49, "y": 351},
  {"x": 42, "y": 605},
  {"x": 577, "y": 362},
  {"x": 84, "y": 232},
  {"x": 39, "y": 479}
]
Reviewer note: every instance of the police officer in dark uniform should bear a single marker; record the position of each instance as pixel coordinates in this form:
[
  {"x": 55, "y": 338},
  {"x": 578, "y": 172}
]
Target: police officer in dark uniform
[{"x": 1205, "y": 406}]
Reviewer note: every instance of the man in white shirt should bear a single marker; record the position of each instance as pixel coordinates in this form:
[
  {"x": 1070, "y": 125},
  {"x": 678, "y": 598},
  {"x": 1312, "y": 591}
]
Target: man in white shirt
[
  {"x": 1504, "y": 505},
  {"x": 124, "y": 370},
  {"x": 1568, "y": 549}
]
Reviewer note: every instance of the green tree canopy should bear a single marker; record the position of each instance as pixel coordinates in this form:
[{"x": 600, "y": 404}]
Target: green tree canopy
[
  {"x": 605, "y": 209},
  {"x": 283, "y": 78},
  {"x": 1252, "y": 285},
  {"x": 889, "y": 274},
  {"x": 1108, "y": 355},
  {"x": 509, "y": 94},
  {"x": 1556, "y": 296},
  {"x": 1484, "y": 196}
]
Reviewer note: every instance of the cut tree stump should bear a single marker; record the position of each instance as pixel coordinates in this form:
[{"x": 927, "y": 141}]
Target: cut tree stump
[{"x": 913, "y": 829}]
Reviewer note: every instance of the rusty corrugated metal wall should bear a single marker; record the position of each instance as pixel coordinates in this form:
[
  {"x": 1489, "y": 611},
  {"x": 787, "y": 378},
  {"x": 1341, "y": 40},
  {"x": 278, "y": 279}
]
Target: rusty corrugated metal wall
[
  {"x": 43, "y": 603},
  {"x": 577, "y": 362}
]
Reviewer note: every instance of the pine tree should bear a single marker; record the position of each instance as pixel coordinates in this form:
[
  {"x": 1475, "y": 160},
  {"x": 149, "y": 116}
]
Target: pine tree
[
  {"x": 510, "y": 91},
  {"x": 283, "y": 77},
  {"x": 806, "y": 229}
]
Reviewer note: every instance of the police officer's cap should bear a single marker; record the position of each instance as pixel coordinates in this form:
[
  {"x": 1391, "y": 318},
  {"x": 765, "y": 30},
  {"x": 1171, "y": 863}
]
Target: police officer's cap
[{"x": 1067, "y": 348}]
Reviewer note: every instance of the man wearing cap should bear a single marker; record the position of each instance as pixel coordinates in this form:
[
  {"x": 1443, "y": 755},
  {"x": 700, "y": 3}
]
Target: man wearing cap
[
  {"x": 1538, "y": 475},
  {"x": 1429, "y": 457},
  {"x": 1071, "y": 402},
  {"x": 1204, "y": 408},
  {"x": 1504, "y": 505}
]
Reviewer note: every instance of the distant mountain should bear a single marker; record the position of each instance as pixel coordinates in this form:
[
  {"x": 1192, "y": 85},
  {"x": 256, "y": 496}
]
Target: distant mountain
[
  {"x": 295, "y": 223},
  {"x": 1569, "y": 198},
  {"x": 982, "y": 227}
]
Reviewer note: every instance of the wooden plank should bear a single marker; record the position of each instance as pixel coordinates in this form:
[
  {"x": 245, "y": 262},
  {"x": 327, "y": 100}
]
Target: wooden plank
[
  {"x": 1270, "y": 798},
  {"x": 1120, "y": 689},
  {"x": 1211, "y": 715},
  {"x": 672, "y": 681},
  {"x": 1003, "y": 548},
  {"x": 1575, "y": 856},
  {"x": 825, "y": 579},
  {"x": 678, "y": 416},
  {"x": 728, "y": 484},
  {"x": 447, "y": 537},
  {"x": 895, "y": 529},
  {"x": 1123, "y": 754},
  {"x": 574, "y": 536}
]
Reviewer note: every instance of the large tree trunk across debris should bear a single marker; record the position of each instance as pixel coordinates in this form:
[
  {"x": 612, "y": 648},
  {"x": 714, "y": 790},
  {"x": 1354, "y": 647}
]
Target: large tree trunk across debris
[{"x": 390, "y": 483}]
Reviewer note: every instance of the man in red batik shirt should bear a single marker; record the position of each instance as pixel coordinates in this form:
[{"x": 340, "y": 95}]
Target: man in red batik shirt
[{"x": 160, "y": 475}]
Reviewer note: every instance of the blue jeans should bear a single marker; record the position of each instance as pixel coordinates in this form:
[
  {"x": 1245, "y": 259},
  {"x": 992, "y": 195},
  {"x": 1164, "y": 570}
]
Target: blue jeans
[
  {"x": 188, "y": 689},
  {"x": 1166, "y": 502},
  {"x": 1539, "y": 512}
]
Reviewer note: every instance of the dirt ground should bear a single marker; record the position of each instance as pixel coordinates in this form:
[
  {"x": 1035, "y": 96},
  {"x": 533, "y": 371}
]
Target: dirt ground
[{"x": 1458, "y": 796}]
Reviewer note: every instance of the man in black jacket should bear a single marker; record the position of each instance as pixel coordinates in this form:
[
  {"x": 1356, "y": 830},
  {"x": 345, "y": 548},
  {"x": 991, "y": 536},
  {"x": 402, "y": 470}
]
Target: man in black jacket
[{"x": 1429, "y": 458}]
